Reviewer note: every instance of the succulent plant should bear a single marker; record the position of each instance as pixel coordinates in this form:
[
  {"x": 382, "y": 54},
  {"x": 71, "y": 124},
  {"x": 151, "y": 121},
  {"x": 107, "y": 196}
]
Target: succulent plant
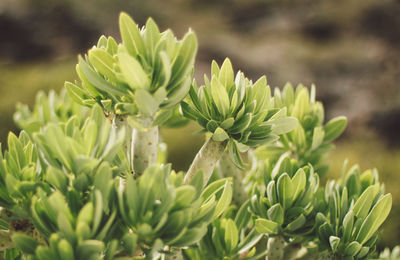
[
  {"x": 86, "y": 178},
  {"x": 311, "y": 140},
  {"x": 357, "y": 206},
  {"x": 237, "y": 112}
]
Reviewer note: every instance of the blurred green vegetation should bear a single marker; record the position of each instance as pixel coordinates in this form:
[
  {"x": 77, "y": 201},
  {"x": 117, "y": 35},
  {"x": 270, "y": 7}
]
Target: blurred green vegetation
[
  {"x": 369, "y": 151},
  {"x": 21, "y": 82},
  {"x": 349, "y": 48}
]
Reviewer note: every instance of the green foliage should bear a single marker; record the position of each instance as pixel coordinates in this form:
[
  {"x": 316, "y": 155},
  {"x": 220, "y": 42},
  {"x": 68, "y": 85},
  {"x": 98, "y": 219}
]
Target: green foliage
[
  {"x": 150, "y": 70},
  {"x": 48, "y": 108},
  {"x": 356, "y": 209},
  {"x": 311, "y": 140},
  {"x": 236, "y": 109},
  {"x": 67, "y": 190},
  {"x": 287, "y": 203}
]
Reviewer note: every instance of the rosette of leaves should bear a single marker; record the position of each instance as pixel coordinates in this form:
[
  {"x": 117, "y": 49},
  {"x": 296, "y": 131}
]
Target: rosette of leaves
[
  {"x": 138, "y": 82},
  {"x": 62, "y": 189},
  {"x": 162, "y": 213},
  {"x": 148, "y": 71},
  {"x": 237, "y": 112},
  {"x": 357, "y": 208},
  {"x": 48, "y": 108},
  {"x": 286, "y": 204},
  {"x": 20, "y": 174},
  {"x": 76, "y": 148},
  {"x": 76, "y": 228},
  {"x": 311, "y": 140},
  {"x": 228, "y": 238}
]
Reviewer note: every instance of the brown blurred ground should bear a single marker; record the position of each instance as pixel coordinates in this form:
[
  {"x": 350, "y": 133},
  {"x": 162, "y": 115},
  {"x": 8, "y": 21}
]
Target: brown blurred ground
[{"x": 349, "y": 49}]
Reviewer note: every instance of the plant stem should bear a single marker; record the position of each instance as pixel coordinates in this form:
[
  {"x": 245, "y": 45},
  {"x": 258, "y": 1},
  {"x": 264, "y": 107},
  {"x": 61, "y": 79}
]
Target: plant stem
[
  {"x": 292, "y": 251},
  {"x": 229, "y": 169},
  {"x": 205, "y": 160},
  {"x": 144, "y": 147},
  {"x": 176, "y": 254},
  {"x": 276, "y": 246},
  {"x": 118, "y": 123}
]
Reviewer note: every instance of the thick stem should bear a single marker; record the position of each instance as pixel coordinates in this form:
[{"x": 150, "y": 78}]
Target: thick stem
[
  {"x": 176, "y": 254},
  {"x": 276, "y": 248},
  {"x": 205, "y": 160},
  {"x": 229, "y": 169},
  {"x": 292, "y": 251},
  {"x": 118, "y": 123},
  {"x": 144, "y": 147}
]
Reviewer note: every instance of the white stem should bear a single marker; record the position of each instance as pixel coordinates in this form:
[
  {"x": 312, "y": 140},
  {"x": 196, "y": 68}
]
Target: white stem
[
  {"x": 205, "y": 160},
  {"x": 276, "y": 246},
  {"x": 229, "y": 169},
  {"x": 144, "y": 147}
]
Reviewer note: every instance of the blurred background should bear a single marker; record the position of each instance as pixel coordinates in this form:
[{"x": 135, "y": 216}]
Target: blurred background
[{"x": 350, "y": 49}]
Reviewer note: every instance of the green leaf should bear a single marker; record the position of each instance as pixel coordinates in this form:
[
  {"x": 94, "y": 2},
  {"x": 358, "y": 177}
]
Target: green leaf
[
  {"x": 133, "y": 72},
  {"x": 97, "y": 81},
  {"x": 26, "y": 243},
  {"x": 183, "y": 63},
  {"x": 213, "y": 188},
  {"x": 231, "y": 234},
  {"x": 220, "y": 135},
  {"x": 334, "y": 128},
  {"x": 65, "y": 250},
  {"x": 364, "y": 202},
  {"x": 271, "y": 193},
  {"x": 102, "y": 42},
  {"x": 226, "y": 74},
  {"x": 265, "y": 226},
  {"x": 76, "y": 93},
  {"x": 276, "y": 214},
  {"x": 302, "y": 104},
  {"x": 151, "y": 38},
  {"x": 375, "y": 218},
  {"x": 129, "y": 242},
  {"x": 243, "y": 216},
  {"x": 297, "y": 223},
  {"x": 283, "y": 125},
  {"x": 224, "y": 200},
  {"x": 130, "y": 35},
  {"x": 86, "y": 214},
  {"x": 318, "y": 137},
  {"x": 241, "y": 124},
  {"x": 348, "y": 222},
  {"x": 227, "y": 123},
  {"x": 352, "y": 249},
  {"x": 285, "y": 190},
  {"x": 184, "y": 196},
  {"x": 299, "y": 182},
  {"x": 112, "y": 46},
  {"x": 234, "y": 154},
  {"x": 146, "y": 102},
  {"x": 220, "y": 96},
  {"x": 334, "y": 243},
  {"x": 90, "y": 249},
  {"x": 214, "y": 68},
  {"x": 178, "y": 94},
  {"x": 103, "y": 62}
]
